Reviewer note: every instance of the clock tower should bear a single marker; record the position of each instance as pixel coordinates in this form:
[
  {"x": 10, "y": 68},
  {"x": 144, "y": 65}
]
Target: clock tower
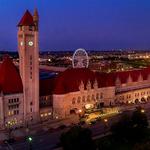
[{"x": 28, "y": 45}]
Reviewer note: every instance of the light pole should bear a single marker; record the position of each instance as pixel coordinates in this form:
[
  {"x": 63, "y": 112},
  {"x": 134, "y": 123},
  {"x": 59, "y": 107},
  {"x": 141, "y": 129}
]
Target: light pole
[
  {"x": 105, "y": 125},
  {"x": 30, "y": 142}
]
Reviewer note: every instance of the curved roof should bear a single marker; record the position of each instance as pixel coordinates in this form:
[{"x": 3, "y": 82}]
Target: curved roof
[
  {"x": 26, "y": 20},
  {"x": 10, "y": 80},
  {"x": 70, "y": 80}
]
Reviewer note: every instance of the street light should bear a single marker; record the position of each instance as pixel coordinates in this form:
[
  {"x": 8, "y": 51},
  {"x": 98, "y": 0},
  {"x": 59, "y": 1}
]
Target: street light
[
  {"x": 30, "y": 142},
  {"x": 105, "y": 120},
  {"x": 105, "y": 125},
  {"x": 80, "y": 111},
  {"x": 30, "y": 139},
  {"x": 142, "y": 111}
]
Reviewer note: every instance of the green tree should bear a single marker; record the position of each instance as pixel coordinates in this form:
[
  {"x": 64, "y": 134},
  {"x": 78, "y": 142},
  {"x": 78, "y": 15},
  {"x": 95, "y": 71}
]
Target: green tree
[
  {"x": 139, "y": 118},
  {"x": 77, "y": 138},
  {"x": 142, "y": 146},
  {"x": 139, "y": 124},
  {"x": 122, "y": 129},
  {"x": 132, "y": 127}
]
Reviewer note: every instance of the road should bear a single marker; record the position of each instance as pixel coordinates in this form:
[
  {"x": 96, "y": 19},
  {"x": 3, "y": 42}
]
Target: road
[{"x": 49, "y": 140}]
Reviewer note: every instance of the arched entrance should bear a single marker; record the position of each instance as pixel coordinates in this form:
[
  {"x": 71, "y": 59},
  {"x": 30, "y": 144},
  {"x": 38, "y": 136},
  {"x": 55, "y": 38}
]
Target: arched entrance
[
  {"x": 148, "y": 98},
  {"x": 143, "y": 100},
  {"x": 73, "y": 111},
  {"x": 102, "y": 104},
  {"x": 137, "y": 101}
]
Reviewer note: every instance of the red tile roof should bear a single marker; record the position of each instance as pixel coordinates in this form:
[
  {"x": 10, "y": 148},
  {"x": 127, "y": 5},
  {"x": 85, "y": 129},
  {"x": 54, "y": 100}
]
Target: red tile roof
[
  {"x": 10, "y": 80},
  {"x": 46, "y": 86},
  {"x": 69, "y": 80},
  {"x": 27, "y": 20}
]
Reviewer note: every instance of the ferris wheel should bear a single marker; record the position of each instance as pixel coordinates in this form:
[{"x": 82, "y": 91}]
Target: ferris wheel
[{"x": 80, "y": 59}]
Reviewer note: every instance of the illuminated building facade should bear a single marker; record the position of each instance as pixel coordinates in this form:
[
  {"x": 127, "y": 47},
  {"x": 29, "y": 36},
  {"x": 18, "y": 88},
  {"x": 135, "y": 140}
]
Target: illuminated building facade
[
  {"x": 26, "y": 97},
  {"x": 80, "y": 89}
]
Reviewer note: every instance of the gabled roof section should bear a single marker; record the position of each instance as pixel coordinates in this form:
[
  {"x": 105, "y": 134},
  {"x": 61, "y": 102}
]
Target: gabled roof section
[{"x": 26, "y": 20}]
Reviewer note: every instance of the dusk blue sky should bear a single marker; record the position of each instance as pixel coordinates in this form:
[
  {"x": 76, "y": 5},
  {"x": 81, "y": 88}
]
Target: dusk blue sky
[{"x": 72, "y": 24}]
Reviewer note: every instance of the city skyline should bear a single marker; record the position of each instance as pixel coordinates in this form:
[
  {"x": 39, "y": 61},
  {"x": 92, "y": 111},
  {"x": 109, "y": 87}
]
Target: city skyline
[{"x": 92, "y": 25}]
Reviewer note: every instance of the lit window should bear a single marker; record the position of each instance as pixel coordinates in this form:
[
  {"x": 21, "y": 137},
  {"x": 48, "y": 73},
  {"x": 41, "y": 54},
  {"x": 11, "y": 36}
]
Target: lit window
[
  {"x": 49, "y": 113},
  {"x": 9, "y": 113}
]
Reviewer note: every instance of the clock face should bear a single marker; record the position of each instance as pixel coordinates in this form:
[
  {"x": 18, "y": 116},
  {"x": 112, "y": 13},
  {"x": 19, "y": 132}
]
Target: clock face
[
  {"x": 30, "y": 43},
  {"x": 21, "y": 43}
]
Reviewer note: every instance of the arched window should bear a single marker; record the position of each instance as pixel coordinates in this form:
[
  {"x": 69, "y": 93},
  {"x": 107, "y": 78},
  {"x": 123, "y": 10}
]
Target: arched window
[
  {"x": 97, "y": 96},
  {"x": 73, "y": 101},
  {"x": 83, "y": 99},
  {"x": 101, "y": 95},
  {"x": 93, "y": 97},
  {"x": 79, "y": 99},
  {"x": 88, "y": 98}
]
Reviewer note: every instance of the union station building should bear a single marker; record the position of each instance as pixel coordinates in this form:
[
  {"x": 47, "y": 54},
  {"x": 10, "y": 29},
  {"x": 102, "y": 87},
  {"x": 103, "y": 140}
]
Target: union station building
[{"x": 29, "y": 95}]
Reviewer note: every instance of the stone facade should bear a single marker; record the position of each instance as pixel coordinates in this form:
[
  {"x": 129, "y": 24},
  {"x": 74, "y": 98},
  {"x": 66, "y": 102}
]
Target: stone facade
[
  {"x": 29, "y": 65},
  {"x": 135, "y": 92}
]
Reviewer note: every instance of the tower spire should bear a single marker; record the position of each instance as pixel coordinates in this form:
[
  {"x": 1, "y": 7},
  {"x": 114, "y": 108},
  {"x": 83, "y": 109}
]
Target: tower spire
[
  {"x": 36, "y": 18},
  {"x": 26, "y": 20}
]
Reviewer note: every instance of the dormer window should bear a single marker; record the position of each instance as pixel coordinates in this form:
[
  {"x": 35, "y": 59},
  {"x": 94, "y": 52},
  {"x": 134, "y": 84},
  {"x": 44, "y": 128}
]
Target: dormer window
[
  {"x": 118, "y": 82},
  {"x": 95, "y": 84},
  {"x": 88, "y": 86},
  {"x": 81, "y": 86},
  {"x": 140, "y": 78}
]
